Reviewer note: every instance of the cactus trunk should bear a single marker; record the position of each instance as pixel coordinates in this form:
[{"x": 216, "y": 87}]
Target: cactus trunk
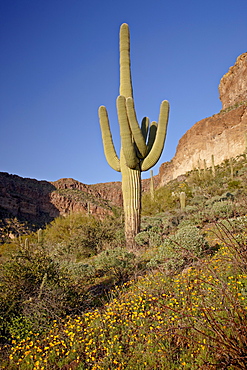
[
  {"x": 131, "y": 178},
  {"x": 131, "y": 188}
]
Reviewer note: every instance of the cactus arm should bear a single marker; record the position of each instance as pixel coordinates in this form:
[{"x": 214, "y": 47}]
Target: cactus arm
[
  {"x": 155, "y": 153},
  {"x": 135, "y": 128},
  {"x": 151, "y": 135},
  {"x": 125, "y": 73},
  {"x": 109, "y": 149},
  {"x": 144, "y": 127},
  {"x": 128, "y": 147}
]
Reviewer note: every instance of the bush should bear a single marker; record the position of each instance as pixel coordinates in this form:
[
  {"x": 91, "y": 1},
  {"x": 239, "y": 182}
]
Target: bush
[
  {"x": 148, "y": 239},
  {"x": 78, "y": 236},
  {"x": 35, "y": 289},
  {"x": 222, "y": 209},
  {"x": 21, "y": 282},
  {"x": 117, "y": 262},
  {"x": 178, "y": 251}
]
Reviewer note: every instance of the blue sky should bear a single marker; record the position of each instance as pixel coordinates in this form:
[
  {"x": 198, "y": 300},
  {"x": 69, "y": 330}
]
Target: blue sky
[{"x": 59, "y": 63}]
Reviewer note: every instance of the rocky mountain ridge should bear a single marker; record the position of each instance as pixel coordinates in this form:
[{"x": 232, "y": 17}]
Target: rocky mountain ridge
[{"x": 223, "y": 135}]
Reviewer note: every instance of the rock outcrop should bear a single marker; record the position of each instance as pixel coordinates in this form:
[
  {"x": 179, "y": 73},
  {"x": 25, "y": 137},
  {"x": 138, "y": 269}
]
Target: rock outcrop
[
  {"x": 26, "y": 199},
  {"x": 223, "y": 135},
  {"x": 39, "y": 202},
  {"x": 233, "y": 85}
]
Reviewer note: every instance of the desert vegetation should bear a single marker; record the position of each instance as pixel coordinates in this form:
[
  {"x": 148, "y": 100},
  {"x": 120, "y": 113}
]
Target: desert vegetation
[{"x": 73, "y": 297}]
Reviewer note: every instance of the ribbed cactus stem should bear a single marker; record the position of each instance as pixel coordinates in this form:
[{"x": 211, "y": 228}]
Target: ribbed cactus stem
[
  {"x": 42, "y": 285},
  {"x": 131, "y": 186},
  {"x": 199, "y": 168},
  {"x": 213, "y": 166},
  {"x": 158, "y": 145},
  {"x": 141, "y": 147},
  {"x": 182, "y": 200},
  {"x": 231, "y": 168},
  {"x": 125, "y": 72},
  {"x": 40, "y": 236}
]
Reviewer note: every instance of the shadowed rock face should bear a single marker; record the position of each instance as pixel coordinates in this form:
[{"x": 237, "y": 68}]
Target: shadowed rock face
[
  {"x": 26, "y": 199},
  {"x": 39, "y": 202}
]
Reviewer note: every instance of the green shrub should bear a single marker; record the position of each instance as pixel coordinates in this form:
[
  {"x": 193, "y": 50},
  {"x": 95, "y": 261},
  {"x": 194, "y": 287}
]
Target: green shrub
[
  {"x": 117, "y": 262},
  {"x": 223, "y": 209},
  {"x": 234, "y": 184},
  {"x": 36, "y": 288},
  {"x": 186, "y": 246},
  {"x": 148, "y": 238},
  {"x": 80, "y": 271},
  {"x": 79, "y": 236},
  {"x": 19, "y": 327}
]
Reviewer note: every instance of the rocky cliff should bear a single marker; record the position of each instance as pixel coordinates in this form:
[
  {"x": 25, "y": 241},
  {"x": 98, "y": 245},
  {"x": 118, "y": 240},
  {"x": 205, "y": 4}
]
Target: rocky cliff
[
  {"x": 38, "y": 202},
  {"x": 233, "y": 85},
  {"x": 223, "y": 135}
]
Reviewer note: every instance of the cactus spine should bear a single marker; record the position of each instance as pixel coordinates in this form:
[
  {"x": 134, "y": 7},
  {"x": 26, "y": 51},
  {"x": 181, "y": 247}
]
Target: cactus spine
[{"x": 141, "y": 147}]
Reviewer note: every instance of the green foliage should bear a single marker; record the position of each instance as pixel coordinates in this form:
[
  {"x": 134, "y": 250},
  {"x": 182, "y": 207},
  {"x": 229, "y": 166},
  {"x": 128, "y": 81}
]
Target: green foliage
[
  {"x": 148, "y": 238},
  {"x": 117, "y": 262},
  {"x": 236, "y": 105},
  {"x": 234, "y": 184},
  {"x": 163, "y": 201},
  {"x": 191, "y": 320},
  {"x": 42, "y": 279},
  {"x": 194, "y": 320},
  {"x": 19, "y": 327},
  {"x": 223, "y": 209},
  {"x": 186, "y": 246},
  {"x": 21, "y": 278},
  {"x": 77, "y": 236}
]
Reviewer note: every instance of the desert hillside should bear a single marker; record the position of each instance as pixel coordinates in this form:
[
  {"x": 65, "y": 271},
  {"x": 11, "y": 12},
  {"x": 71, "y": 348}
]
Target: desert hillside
[{"x": 223, "y": 136}]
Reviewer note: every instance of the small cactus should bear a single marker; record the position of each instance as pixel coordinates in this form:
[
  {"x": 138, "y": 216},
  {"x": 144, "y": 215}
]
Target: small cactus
[
  {"x": 213, "y": 167},
  {"x": 26, "y": 243},
  {"x": 88, "y": 209},
  {"x": 182, "y": 200},
  {"x": 42, "y": 285},
  {"x": 199, "y": 168},
  {"x": 40, "y": 236},
  {"x": 231, "y": 168}
]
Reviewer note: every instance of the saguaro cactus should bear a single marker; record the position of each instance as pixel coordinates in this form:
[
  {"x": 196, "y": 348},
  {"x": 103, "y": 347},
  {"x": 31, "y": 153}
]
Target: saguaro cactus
[
  {"x": 141, "y": 147},
  {"x": 182, "y": 200}
]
